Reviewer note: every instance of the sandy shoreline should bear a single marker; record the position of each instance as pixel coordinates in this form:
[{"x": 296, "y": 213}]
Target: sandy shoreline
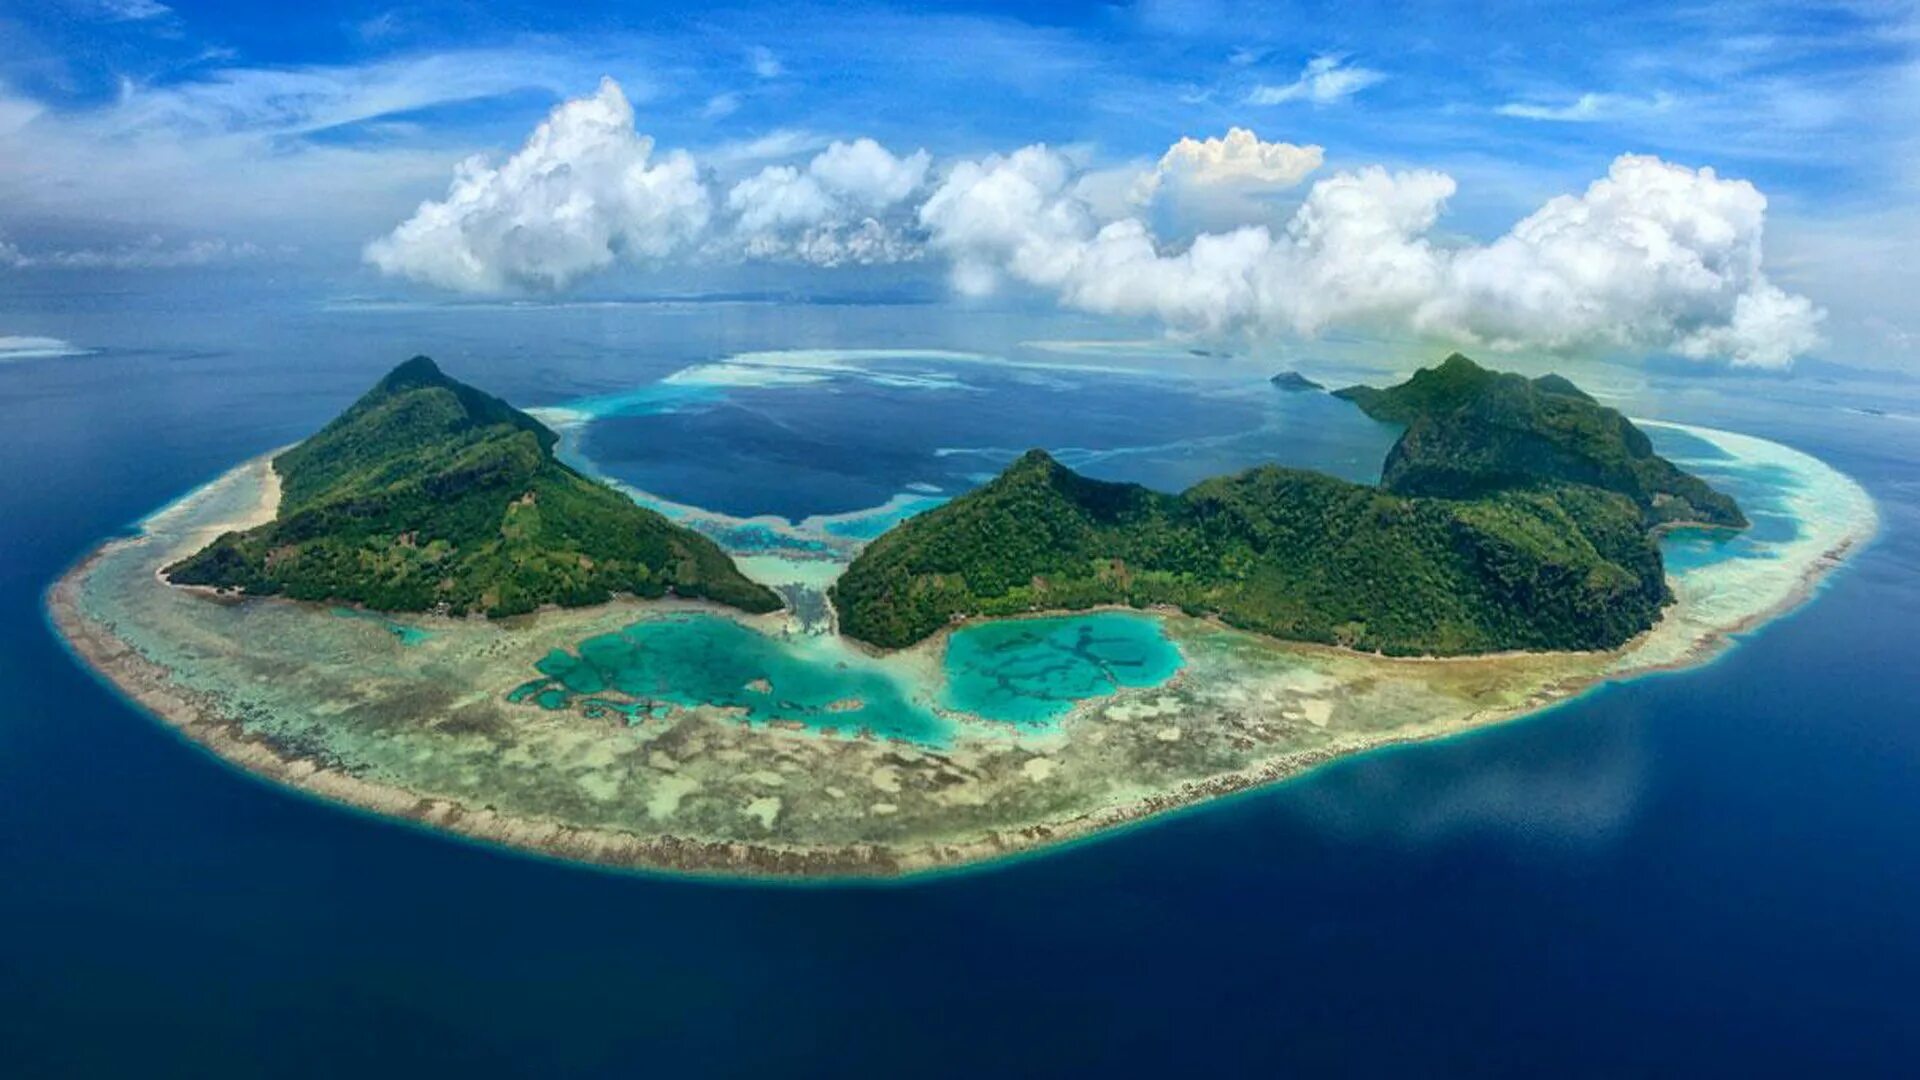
[{"x": 198, "y": 717}]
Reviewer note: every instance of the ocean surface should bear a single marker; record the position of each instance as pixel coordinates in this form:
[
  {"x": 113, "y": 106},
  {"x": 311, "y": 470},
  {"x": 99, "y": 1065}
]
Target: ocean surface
[{"x": 1711, "y": 870}]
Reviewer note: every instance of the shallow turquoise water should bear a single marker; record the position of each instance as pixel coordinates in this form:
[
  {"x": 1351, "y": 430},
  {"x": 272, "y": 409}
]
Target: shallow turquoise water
[
  {"x": 871, "y": 524},
  {"x": 1759, "y": 488},
  {"x": 1025, "y": 671},
  {"x": 405, "y": 634},
  {"x": 708, "y": 660},
  {"x": 1030, "y": 671}
]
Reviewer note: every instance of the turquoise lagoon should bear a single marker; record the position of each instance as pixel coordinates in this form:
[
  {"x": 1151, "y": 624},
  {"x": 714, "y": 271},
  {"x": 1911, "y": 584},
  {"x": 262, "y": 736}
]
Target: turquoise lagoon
[
  {"x": 1030, "y": 671},
  {"x": 1024, "y": 671},
  {"x": 691, "y": 660},
  {"x": 1763, "y": 490}
]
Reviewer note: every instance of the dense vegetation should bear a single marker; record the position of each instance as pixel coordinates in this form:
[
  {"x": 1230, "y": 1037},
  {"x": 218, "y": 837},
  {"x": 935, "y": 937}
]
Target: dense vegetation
[
  {"x": 1471, "y": 432},
  {"x": 1285, "y": 552},
  {"x": 428, "y": 494},
  {"x": 1528, "y": 561}
]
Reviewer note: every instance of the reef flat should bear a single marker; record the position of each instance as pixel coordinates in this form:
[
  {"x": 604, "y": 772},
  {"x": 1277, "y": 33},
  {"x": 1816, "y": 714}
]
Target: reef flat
[{"x": 416, "y": 717}]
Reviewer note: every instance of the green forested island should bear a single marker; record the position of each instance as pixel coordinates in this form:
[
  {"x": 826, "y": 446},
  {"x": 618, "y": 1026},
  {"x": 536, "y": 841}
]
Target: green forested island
[
  {"x": 1513, "y": 514},
  {"x": 1471, "y": 432},
  {"x": 428, "y": 494}
]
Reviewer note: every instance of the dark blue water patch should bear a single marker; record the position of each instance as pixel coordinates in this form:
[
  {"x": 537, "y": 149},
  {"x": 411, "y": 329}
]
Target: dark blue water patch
[{"x": 831, "y": 448}]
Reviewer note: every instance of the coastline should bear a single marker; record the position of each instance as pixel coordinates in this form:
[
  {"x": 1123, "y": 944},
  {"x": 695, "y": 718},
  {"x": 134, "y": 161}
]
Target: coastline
[{"x": 198, "y": 716}]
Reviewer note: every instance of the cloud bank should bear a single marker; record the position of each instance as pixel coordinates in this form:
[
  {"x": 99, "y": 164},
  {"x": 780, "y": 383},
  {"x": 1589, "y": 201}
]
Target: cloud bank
[
  {"x": 153, "y": 253},
  {"x": 1654, "y": 256}
]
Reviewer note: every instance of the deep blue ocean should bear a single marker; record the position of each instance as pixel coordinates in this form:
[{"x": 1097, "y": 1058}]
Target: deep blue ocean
[{"x": 1713, "y": 871}]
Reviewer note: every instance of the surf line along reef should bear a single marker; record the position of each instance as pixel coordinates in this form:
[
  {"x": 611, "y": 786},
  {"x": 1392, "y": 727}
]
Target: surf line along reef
[{"x": 424, "y": 612}]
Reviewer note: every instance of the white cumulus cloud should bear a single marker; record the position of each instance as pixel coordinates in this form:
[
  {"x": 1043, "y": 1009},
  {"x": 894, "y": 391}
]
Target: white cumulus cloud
[
  {"x": 1240, "y": 157},
  {"x": 865, "y": 173},
  {"x": 1652, "y": 255},
  {"x": 585, "y": 190},
  {"x": 1655, "y": 256},
  {"x": 1226, "y": 168},
  {"x": 1017, "y": 214},
  {"x": 843, "y": 207}
]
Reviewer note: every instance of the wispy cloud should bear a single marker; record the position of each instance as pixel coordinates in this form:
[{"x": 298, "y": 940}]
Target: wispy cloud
[
  {"x": 764, "y": 63},
  {"x": 1589, "y": 108},
  {"x": 153, "y": 253},
  {"x": 132, "y": 10},
  {"x": 1324, "y": 81},
  {"x": 777, "y": 145}
]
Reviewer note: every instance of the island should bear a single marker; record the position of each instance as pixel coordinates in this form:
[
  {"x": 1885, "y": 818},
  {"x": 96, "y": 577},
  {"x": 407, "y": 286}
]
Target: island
[
  {"x": 1295, "y": 383},
  {"x": 435, "y": 611},
  {"x": 1511, "y": 514},
  {"x": 430, "y": 495},
  {"x": 1471, "y": 431}
]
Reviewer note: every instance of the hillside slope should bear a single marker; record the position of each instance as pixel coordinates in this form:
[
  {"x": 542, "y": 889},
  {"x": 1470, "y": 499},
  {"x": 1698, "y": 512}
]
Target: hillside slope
[
  {"x": 1513, "y": 513},
  {"x": 1471, "y": 432},
  {"x": 428, "y": 494},
  {"x": 1284, "y": 552}
]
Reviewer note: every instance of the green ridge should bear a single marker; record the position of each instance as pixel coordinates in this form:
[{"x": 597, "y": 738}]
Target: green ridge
[
  {"x": 1534, "y": 562},
  {"x": 428, "y": 494}
]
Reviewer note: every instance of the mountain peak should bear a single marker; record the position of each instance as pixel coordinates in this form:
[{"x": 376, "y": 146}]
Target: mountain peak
[
  {"x": 419, "y": 497},
  {"x": 419, "y": 371}
]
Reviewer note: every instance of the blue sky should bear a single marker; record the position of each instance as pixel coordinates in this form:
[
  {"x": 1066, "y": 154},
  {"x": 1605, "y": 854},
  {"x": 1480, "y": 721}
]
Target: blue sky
[{"x": 141, "y": 137}]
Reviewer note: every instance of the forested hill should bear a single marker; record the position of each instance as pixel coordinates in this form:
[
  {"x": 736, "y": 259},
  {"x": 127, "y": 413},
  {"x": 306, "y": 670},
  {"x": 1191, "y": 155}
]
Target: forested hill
[
  {"x": 428, "y": 494},
  {"x": 1515, "y": 514},
  {"x": 1471, "y": 432},
  {"x": 1293, "y": 554}
]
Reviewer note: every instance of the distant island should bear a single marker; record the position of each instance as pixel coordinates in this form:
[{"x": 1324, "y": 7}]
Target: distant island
[
  {"x": 1512, "y": 514},
  {"x": 1295, "y": 382},
  {"x": 430, "y": 495}
]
